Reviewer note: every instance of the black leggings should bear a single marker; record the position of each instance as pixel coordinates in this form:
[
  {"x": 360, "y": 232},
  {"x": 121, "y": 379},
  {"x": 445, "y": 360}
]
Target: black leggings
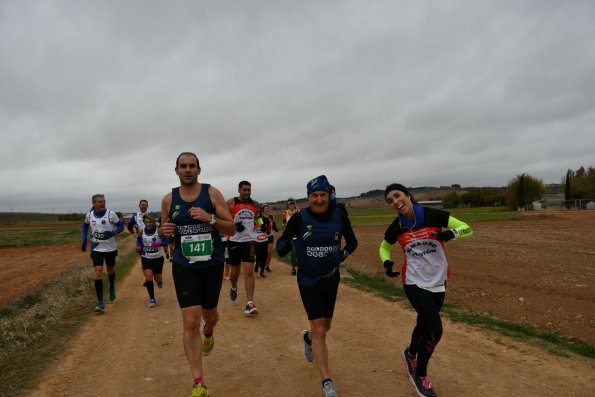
[
  {"x": 261, "y": 252},
  {"x": 428, "y": 330}
]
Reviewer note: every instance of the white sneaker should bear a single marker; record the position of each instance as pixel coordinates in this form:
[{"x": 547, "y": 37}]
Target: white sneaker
[
  {"x": 329, "y": 389},
  {"x": 307, "y": 347},
  {"x": 152, "y": 303}
]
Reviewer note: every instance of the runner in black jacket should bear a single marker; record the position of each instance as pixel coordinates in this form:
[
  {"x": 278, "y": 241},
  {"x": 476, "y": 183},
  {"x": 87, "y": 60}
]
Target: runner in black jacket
[{"x": 318, "y": 231}]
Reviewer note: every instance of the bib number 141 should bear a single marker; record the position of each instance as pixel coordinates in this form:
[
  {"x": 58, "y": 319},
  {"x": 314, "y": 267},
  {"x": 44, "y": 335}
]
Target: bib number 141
[{"x": 197, "y": 247}]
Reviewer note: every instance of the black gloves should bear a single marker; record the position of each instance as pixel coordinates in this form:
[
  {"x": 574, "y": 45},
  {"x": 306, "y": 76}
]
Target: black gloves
[
  {"x": 344, "y": 255},
  {"x": 263, "y": 228},
  {"x": 445, "y": 235},
  {"x": 240, "y": 227},
  {"x": 84, "y": 246},
  {"x": 388, "y": 269}
]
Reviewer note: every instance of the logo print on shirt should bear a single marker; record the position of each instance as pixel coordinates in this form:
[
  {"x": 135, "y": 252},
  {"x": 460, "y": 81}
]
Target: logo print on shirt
[
  {"x": 176, "y": 212},
  {"x": 308, "y": 232}
]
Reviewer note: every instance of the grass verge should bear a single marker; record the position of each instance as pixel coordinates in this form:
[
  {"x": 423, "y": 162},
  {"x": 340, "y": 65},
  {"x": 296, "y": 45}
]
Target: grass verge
[
  {"x": 551, "y": 342},
  {"x": 36, "y": 328}
]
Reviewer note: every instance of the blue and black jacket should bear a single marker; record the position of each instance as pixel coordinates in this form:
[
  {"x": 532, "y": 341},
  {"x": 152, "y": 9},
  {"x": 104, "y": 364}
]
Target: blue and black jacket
[{"x": 317, "y": 243}]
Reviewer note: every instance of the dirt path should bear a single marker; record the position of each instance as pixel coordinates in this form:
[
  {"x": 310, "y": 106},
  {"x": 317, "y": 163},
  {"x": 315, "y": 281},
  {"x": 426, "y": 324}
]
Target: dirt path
[{"x": 132, "y": 350}]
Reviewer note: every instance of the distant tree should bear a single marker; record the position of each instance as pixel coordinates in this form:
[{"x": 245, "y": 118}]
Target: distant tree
[
  {"x": 568, "y": 187},
  {"x": 451, "y": 200},
  {"x": 520, "y": 192},
  {"x": 523, "y": 190},
  {"x": 483, "y": 197},
  {"x": 590, "y": 183},
  {"x": 372, "y": 193},
  {"x": 579, "y": 184}
]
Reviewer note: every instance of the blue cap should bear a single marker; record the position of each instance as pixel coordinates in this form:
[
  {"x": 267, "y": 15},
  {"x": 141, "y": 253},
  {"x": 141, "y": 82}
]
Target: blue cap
[{"x": 319, "y": 184}]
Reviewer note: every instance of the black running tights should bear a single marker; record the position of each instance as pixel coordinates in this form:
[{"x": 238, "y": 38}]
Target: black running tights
[
  {"x": 261, "y": 252},
  {"x": 428, "y": 330}
]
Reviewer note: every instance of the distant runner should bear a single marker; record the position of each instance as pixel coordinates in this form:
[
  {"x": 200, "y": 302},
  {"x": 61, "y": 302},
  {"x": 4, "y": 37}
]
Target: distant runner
[
  {"x": 289, "y": 212},
  {"x": 246, "y": 216},
  {"x": 104, "y": 225},
  {"x": 149, "y": 245}
]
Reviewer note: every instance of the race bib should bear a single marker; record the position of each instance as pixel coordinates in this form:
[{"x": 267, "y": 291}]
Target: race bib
[{"x": 197, "y": 247}]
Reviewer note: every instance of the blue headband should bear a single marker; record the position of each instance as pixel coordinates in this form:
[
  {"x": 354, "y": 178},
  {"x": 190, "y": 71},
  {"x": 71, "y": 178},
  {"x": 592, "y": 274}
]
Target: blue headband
[{"x": 318, "y": 184}]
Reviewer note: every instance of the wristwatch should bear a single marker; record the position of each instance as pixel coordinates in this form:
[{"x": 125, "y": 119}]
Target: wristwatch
[{"x": 213, "y": 219}]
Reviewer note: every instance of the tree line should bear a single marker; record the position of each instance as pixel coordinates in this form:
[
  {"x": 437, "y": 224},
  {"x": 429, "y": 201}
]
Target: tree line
[
  {"x": 526, "y": 189},
  {"x": 520, "y": 192}
]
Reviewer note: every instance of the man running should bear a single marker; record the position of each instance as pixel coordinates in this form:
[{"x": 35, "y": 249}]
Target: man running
[
  {"x": 104, "y": 225},
  {"x": 289, "y": 212},
  {"x": 318, "y": 231},
  {"x": 195, "y": 214},
  {"x": 136, "y": 223},
  {"x": 245, "y": 214}
]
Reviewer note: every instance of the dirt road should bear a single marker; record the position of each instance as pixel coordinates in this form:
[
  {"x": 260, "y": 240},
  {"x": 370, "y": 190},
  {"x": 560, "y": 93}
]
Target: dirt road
[{"x": 132, "y": 350}]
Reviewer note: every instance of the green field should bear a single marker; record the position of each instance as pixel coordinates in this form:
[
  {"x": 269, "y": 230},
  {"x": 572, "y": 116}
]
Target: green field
[{"x": 42, "y": 234}]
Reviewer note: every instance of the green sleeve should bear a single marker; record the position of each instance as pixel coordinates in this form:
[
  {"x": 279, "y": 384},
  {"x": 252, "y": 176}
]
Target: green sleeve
[
  {"x": 384, "y": 251},
  {"x": 461, "y": 228},
  {"x": 258, "y": 220}
]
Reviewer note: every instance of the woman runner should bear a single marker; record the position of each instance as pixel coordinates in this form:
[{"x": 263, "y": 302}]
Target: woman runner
[
  {"x": 422, "y": 233},
  {"x": 149, "y": 245}
]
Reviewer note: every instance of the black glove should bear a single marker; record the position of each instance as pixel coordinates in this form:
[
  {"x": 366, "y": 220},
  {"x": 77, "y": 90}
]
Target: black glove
[
  {"x": 263, "y": 228},
  {"x": 84, "y": 246},
  {"x": 445, "y": 235},
  {"x": 388, "y": 269},
  {"x": 344, "y": 255},
  {"x": 240, "y": 227}
]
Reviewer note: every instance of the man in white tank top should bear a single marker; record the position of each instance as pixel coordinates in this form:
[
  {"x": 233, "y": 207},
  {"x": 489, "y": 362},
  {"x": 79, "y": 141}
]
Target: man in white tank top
[{"x": 104, "y": 225}]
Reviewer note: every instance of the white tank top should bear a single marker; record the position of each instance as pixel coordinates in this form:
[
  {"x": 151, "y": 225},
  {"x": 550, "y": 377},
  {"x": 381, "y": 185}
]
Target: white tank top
[
  {"x": 149, "y": 251},
  {"x": 98, "y": 228}
]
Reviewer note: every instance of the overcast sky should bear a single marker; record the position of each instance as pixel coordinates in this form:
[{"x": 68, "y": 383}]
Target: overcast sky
[{"x": 101, "y": 96}]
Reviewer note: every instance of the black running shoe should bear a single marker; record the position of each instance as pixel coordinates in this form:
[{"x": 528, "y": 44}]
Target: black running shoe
[
  {"x": 423, "y": 386},
  {"x": 410, "y": 363}
]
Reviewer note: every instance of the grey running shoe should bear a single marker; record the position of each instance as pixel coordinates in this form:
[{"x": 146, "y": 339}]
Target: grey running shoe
[
  {"x": 152, "y": 303},
  {"x": 307, "y": 347},
  {"x": 423, "y": 386},
  {"x": 329, "y": 389}
]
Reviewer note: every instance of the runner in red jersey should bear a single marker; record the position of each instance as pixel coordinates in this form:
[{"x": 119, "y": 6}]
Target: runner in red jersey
[{"x": 246, "y": 216}]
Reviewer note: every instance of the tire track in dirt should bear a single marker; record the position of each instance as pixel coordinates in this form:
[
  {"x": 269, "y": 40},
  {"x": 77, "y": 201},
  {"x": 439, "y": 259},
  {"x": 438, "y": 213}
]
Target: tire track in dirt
[{"x": 133, "y": 350}]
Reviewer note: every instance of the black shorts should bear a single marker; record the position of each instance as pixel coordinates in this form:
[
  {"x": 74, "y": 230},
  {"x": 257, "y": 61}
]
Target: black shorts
[
  {"x": 155, "y": 264},
  {"x": 198, "y": 286},
  {"x": 240, "y": 252},
  {"x": 98, "y": 257},
  {"x": 319, "y": 299}
]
